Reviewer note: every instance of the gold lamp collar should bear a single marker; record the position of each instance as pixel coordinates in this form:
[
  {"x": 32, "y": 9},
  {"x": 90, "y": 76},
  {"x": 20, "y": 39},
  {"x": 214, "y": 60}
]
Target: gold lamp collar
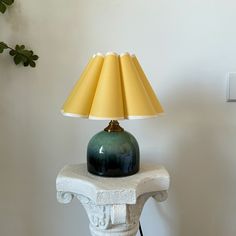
[{"x": 114, "y": 127}]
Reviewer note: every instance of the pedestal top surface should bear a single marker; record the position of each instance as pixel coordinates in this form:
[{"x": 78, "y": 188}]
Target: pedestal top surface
[{"x": 75, "y": 179}]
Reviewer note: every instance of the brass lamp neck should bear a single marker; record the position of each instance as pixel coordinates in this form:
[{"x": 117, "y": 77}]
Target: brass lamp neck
[{"x": 113, "y": 127}]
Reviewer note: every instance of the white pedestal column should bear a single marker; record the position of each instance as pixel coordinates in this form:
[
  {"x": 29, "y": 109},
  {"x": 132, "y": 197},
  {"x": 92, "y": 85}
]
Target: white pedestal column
[{"x": 113, "y": 205}]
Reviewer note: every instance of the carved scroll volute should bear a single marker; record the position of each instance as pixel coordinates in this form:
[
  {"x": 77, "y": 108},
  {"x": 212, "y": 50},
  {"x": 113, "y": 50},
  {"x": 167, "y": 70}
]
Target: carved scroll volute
[
  {"x": 64, "y": 197},
  {"x": 160, "y": 196}
]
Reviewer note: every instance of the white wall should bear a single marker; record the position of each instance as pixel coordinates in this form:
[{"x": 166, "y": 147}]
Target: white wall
[{"x": 186, "y": 48}]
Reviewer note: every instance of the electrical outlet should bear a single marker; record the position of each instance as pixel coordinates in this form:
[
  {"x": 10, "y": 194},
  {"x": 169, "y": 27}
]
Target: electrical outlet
[{"x": 231, "y": 87}]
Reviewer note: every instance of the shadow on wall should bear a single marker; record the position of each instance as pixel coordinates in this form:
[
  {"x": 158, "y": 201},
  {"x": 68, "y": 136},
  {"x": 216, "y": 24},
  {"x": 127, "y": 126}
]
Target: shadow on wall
[
  {"x": 17, "y": 168},
  {"x": 16, "y": 20},
  {"x": 195, "y": 142}
]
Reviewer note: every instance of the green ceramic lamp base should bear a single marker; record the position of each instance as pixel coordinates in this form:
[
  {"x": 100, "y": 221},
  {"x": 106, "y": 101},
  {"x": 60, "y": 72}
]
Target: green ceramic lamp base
[{"x": 113, "y": 153}]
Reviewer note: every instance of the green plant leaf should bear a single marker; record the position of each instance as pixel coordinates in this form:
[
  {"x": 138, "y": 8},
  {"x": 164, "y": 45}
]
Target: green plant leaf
[
  {"x": 12, "y": 52},
  {"x": 3, "y": 8},
  {"x": 24, "y": 56},
  {"x": 3, "y": 46},
  {"x": 17, "y": 59},
  {"x": 20, "y": 54},
  {"x": 26, "y": 63},
  {"x": 8, "y": 2},
  {"x": 17, "y": 47},
  {"x": 35, "y": 57},
  {"x": 32, "y": 64},
  {"x": 4, "y": 4}
]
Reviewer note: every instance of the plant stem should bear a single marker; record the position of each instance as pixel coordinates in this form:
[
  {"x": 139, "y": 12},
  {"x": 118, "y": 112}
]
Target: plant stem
[{"x": 6, "y": 46}]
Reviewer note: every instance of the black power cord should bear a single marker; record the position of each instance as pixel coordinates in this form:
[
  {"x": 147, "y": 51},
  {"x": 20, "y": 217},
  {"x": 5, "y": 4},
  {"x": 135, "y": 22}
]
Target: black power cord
[{"x": 140, "y": 229}]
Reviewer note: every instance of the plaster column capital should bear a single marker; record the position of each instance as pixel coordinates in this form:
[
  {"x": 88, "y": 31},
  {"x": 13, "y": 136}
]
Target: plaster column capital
[{"x": 113, "y": 205}]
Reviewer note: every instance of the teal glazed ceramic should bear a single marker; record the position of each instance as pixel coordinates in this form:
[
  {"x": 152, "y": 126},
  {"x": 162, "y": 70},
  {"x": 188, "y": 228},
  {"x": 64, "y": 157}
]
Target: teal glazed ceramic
[{"x": 113, "y": 154}]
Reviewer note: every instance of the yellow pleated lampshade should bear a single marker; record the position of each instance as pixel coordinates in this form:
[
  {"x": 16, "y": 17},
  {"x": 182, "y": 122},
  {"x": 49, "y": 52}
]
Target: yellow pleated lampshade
[{"x": 112, "y": 87}]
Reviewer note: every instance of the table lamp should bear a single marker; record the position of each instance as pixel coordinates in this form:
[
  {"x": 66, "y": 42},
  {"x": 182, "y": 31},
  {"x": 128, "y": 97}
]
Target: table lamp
[{"x": 112, "y": 87}]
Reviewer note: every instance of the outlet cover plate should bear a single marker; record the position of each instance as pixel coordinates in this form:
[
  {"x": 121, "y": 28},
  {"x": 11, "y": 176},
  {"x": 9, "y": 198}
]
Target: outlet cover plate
[{"x": 231, "y": 87}]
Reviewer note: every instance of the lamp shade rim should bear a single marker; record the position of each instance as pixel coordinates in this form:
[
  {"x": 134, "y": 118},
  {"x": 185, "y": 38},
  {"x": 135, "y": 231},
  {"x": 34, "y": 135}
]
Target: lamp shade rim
[
  {"x": 125, "y": 118},
  {"x": 124, "y": 54},
  {"x": 143, "y": 117},
  {"x": 105, "y": 118},
  {"x": 99, "y": 54},
  {"x": 109, "y": 118},
  {"x": 111, "y": 53},
  {"x": 73, "y": 114}
]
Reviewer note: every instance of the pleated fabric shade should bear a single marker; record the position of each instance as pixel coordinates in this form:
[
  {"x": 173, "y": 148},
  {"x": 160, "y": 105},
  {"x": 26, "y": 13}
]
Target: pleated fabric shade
[{"x": 112, "y": 87}]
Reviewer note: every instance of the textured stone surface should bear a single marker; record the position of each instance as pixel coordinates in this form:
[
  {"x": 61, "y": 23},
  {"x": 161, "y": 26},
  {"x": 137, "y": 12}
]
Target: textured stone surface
[{"x": 113, "y": 205}]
